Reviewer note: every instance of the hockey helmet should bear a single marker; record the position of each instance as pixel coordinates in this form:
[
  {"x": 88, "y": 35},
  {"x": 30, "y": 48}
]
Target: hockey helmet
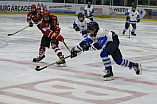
[
  {"x": 94, "y": 27},
  {"x": 33, "y": 6},
  {"x": 46, "y": 13},
  {"x": 89, "y": 2},
  {"x": 80, "y": 15},
  {"x": 133, "y": 6}
]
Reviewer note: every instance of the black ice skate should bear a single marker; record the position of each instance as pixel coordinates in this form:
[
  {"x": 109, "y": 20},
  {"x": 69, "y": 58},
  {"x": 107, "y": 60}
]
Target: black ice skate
[
  {"x": 133, "y": 34},
  {"x": 108, "y": 76},
  {"x": 123, "y": 32},
  {"x": 61, "y": 63},
  {"x": 137, "y": 67},
  {"x": 38, "y": 58}
]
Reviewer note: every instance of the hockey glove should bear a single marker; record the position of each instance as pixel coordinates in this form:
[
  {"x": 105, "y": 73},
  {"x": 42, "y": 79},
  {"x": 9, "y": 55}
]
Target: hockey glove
[
  {"x": 30, "y": 24},
  {"x": 90, "y": 14},
  {"x": 73, "y": 52},
  {"x": 86, "y": 46},
  {"x": 76, "y": 27},
  {"x": 57, "y": 30},
  {"x": 83, "y": 31},
  {"x": 127, "y": 18},
  {"x": 60, "y": 38},
  {"x": 138, "y": 20}
]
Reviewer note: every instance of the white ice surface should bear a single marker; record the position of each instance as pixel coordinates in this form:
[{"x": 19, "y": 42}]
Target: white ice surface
[{"x": 81, "y": 81}]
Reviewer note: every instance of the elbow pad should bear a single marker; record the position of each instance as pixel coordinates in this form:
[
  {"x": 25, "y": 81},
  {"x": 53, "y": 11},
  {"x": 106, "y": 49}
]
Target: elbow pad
[{"x": 97, "y": 46}]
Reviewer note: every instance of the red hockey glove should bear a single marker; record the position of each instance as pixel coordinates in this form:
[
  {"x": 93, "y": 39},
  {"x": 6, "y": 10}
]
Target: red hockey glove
[{"x": 60, "y": 38}]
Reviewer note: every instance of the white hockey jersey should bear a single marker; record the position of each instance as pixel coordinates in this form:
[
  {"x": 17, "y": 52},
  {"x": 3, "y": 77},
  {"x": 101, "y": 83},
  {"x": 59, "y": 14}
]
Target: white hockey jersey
[
  {"x": 88, "y": 10},
  {"x": 82, "y": 25},
  {"x": 102, "y": 38},
  {"x": 133, "y": 15}
]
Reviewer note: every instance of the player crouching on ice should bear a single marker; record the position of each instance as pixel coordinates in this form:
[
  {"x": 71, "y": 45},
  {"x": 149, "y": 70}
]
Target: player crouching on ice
[
  {"x": 108, "y": 42},
  {"x": 51, "y": 35},
  {"x": 132, "y": 17}
]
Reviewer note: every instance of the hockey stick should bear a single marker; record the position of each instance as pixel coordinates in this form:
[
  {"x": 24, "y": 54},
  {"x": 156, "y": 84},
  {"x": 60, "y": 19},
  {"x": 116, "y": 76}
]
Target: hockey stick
[
  {"x": 129, "y": 32},
  {"x": 66, "y": 46},
  {"x": 18, "y": 31},
  {"x": 39, "y": 69}
]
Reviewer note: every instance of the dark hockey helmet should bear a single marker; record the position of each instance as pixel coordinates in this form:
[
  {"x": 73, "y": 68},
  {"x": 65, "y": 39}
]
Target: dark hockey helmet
[
  {"x": 134, "y": 6},
  {"x": 80, "y": 15},
  {"x": 94, "y": 27}
]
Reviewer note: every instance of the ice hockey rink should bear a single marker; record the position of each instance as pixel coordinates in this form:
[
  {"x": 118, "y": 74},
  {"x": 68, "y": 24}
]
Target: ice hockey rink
[{"x": 81, "y": 81}]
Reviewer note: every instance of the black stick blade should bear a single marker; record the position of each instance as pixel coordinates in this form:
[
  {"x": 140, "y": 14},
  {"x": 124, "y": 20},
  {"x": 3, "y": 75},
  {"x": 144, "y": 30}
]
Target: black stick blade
[
  {"x": 10, "y": 34},
  {"x": 37, "y": 68}
]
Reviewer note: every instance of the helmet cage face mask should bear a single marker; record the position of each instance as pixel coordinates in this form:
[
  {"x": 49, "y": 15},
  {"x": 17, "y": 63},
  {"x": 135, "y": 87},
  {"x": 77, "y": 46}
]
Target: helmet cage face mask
[
  {"x": 92, "y": 32},
  {"x": 81, "y": 17},
  {"x": 92, "y": 28},
  {"x": 46, "y": 18},
  {"x": 33, "y": 9}
]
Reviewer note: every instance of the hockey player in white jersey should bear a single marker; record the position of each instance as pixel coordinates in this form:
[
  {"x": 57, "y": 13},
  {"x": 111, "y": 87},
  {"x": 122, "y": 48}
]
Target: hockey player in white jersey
[
  {"x": 108, "y": 42},
  {"x": 88, "y": 11},
  {"x": 81, "y": 24},
  {"x": 132, "y": 17}
]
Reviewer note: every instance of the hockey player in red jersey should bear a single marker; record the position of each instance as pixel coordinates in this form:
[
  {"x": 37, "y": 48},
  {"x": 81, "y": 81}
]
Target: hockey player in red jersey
[
  {"x": 50, "y": 28},
  {"x": 35, "y": 16}
]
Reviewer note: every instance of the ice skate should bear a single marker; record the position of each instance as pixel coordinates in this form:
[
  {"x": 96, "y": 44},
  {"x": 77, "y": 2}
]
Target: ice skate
[
  {"x": 133, "y": 34},
  {"x": 137, "y": 67},
  {"x": 108, "y": 76},
  {"x": 123, "y": 32},
  {"x": 38, "y": 58},
  {"x": 61, "y": 63}
]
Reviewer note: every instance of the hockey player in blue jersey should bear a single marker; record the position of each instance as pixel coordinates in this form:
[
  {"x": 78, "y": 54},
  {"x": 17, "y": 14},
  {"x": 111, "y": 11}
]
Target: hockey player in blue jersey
[
  {"x": 132, "y": 17},
  {"x": 108, "y": 42},
  {"x": 80, "y": 24},
  {"x": 88, "y": 11}
]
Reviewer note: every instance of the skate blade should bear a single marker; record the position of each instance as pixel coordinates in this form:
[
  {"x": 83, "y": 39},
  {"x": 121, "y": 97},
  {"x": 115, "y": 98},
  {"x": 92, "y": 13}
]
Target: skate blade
[{"x": 108, "y": 78}]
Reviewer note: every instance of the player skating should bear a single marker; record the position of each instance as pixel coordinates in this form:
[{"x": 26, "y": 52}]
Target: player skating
[
  {"x": 35, "y": 16},
  {"x": 88, "y": 11},
  {"x": 108, "y": 42},
  {"x": 81, "y": 24},
  {"x": 51, "y": 35},
  {"x": 132, "y": 17}
]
